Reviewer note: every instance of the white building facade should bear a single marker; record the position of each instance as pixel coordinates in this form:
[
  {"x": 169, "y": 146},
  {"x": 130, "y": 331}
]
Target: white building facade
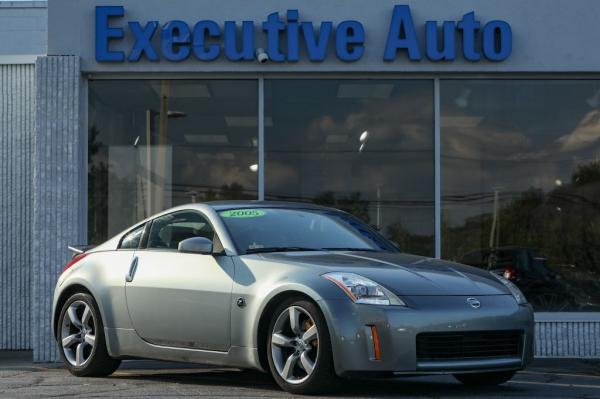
[{"x": 466, "y": 130}]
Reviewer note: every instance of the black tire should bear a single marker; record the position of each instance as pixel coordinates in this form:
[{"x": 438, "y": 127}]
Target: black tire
[
  {"x": 98, "y": 363},
  {"x": 485, "y": 379},
  {"x": 323, "y": 378}
]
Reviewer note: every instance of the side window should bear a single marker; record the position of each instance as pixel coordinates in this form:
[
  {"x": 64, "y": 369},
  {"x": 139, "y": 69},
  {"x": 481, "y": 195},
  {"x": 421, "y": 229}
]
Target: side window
[
  {"x": 169, "y": 230},
  {"x": 132, "y": 239}
]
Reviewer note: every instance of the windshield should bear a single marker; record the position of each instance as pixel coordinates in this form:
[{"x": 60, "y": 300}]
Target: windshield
[{"x": 277, "y": 229}]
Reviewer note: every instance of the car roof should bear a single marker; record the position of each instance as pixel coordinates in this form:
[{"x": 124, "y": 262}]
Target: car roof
[
  {"x": 217, "y": 206},
  {"x": 224, "y": 205}
]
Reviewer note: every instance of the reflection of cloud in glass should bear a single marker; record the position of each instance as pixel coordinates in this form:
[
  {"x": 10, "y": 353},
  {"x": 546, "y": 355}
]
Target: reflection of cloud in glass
[
  {"x": 387, "y": 123},
  {"x": 485, "y": 142},
  {"x": 587, "y": 132},
  {"x": 525, "y": 156}
]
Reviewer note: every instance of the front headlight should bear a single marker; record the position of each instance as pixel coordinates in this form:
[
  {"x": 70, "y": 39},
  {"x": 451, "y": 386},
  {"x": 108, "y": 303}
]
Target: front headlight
[
  {"x": 514, "y": 290},
  {"x": 362, "y": 290}
]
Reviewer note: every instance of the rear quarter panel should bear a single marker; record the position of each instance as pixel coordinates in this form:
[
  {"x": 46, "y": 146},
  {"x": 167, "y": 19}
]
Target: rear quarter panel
[{"x": 103, "y": 274}]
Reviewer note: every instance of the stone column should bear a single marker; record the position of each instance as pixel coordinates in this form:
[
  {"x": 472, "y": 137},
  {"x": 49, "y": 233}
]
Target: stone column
[{"x": 59, "y": 186}]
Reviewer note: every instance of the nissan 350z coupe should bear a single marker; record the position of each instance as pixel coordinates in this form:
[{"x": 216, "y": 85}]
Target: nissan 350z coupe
[{"x": 308, "y": 293}]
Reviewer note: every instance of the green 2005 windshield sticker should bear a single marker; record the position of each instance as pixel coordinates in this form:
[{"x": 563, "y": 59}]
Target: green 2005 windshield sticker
[{"x": 243, "y": 213}]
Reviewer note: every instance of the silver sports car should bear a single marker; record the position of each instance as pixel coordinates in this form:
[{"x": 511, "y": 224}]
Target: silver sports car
[{"x": 309, "y": 293}]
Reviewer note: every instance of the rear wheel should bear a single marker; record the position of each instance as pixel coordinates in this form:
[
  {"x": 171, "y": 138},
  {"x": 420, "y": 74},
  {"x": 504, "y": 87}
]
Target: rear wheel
[
  {"x": 485, "y": 379},
  {"x": 80, "y": 338},
  {"x": 299, "y": 348}
]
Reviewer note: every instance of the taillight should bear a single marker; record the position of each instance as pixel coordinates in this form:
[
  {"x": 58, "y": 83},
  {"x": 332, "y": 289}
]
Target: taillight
[
  {"x": 510, "y": 273},
  {"x": 74, "y": 260}
]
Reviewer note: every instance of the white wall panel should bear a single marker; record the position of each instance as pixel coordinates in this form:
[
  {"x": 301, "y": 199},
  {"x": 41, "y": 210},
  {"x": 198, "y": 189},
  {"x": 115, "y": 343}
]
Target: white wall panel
[
  {"x": 567, "y": 335},
  {"x": 17, "y": 110}
]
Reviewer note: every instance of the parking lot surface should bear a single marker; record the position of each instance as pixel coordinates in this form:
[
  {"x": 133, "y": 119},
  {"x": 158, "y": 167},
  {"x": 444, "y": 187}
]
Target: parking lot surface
[{"x": 140, "y": 379}]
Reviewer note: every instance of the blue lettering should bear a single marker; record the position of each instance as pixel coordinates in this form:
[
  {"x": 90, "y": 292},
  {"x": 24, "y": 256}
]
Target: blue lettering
[
  {"x": 273, "y": 26},
  {"x": 175, "y": 40},
  {"x": 104, "y": 33},
  {"x": 469, "y": 27},
  {"x": 448, "y": 50},
  {"x": 316, "y": 47},
  {"x": 231, "y": 49},
  {"x": 402, "y": 35},
  {"x": 504, "y": 42},
  {"x": 208, "y": 40},
  {"x": 202, "y": 30},
  {"x": 143, "y": 41},
  {"x": 293, "y": 51},
  {"x": 349, "y": 39}
]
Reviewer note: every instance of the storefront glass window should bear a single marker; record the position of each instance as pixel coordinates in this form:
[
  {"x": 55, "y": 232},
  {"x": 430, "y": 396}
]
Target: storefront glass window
[
  {"x": 521, "y": 185},
  {"x": 154, "y": 144},
  {"x": 364, "y": 146}
]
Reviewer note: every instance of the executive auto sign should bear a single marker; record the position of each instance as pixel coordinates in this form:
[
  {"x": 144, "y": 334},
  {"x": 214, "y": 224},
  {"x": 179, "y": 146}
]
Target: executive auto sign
[{"x": 207, "y": 40}]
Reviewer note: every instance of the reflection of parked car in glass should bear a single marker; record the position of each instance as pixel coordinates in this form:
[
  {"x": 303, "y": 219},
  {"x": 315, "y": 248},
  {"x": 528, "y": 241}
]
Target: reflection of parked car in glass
[{"x": 530, "y": 272}]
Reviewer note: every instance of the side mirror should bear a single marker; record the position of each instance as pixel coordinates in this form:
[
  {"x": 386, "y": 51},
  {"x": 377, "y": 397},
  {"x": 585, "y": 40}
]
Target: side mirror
[{"x": 196, "y": 245}]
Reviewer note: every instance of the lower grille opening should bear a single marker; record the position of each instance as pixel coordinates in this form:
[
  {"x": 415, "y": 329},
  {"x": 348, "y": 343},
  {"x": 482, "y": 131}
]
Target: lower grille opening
[{"x": 469, "y": 345}]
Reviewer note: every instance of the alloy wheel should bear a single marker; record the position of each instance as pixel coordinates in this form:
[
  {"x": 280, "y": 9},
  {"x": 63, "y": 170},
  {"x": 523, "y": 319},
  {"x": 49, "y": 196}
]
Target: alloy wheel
[
  {"x": 78, "y": 333},
  {"x": 294, "y": 345}
]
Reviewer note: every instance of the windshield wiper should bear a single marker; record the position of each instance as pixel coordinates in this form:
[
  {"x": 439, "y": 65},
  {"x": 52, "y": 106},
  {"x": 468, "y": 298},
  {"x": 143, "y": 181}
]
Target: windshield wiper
[
  {"x": 279, "y": 249},
  {"x": 351, "y": 249}
]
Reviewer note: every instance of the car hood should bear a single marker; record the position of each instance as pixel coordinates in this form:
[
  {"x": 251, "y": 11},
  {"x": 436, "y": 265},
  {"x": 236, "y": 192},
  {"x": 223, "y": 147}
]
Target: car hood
[{"x": 402, "y": 274}]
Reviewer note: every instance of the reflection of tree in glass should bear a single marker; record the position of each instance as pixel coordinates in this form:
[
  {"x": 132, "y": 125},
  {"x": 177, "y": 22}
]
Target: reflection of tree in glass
[
  {"x": 233, "y": 191},
  {"x": 352, "y": 204},
  {"x": 562, "y": 224},
  {"x": 410, "y": 243},
  {"x": 399, "y": 235},
  {"x": 355, "y": 205},
  {"x": 587, "y": 173},
  {"x": 97, "y": 189},
  {"x": 99, "y": 174}
]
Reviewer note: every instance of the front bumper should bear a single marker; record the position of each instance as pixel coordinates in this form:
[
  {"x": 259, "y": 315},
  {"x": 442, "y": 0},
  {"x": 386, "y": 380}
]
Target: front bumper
[{"x": 397, "y": 329}]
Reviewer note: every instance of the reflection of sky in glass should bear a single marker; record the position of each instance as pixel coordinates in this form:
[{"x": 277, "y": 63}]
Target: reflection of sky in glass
[
  {"x": 513, "y": 135},
  {"x": 313, "y": 146}
]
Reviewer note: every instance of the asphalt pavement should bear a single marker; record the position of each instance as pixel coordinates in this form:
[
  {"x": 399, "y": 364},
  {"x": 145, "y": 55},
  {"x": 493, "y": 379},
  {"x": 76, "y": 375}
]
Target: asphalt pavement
[{"x": 19, "y": 378}]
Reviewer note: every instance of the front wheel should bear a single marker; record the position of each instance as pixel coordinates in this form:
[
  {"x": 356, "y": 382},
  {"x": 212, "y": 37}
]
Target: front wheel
[
  {"x": 299, "y": 348},
  {"x": 80, "y": 338},
  {"x": 485, "y": 379}
]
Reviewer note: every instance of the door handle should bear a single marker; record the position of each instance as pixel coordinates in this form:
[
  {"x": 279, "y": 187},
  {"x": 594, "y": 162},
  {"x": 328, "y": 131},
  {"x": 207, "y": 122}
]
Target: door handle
[{"x": 132, "y": 269}]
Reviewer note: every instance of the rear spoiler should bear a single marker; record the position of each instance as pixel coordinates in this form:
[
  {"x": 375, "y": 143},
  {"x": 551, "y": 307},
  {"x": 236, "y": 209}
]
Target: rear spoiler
[{"x": 79, "y": 249}]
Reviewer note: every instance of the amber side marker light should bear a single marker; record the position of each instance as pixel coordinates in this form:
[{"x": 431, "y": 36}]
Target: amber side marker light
[{"x": 376, "y": 348}]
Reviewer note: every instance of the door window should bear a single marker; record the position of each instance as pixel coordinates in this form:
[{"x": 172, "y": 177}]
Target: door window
[{"x": 169, "y": 230}]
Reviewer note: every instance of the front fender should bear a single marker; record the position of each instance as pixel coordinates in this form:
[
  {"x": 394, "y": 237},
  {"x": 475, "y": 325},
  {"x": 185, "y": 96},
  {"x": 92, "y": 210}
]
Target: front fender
[
  {"x": 259, "y": 283},
  {"x": 302, "y": 288}
]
